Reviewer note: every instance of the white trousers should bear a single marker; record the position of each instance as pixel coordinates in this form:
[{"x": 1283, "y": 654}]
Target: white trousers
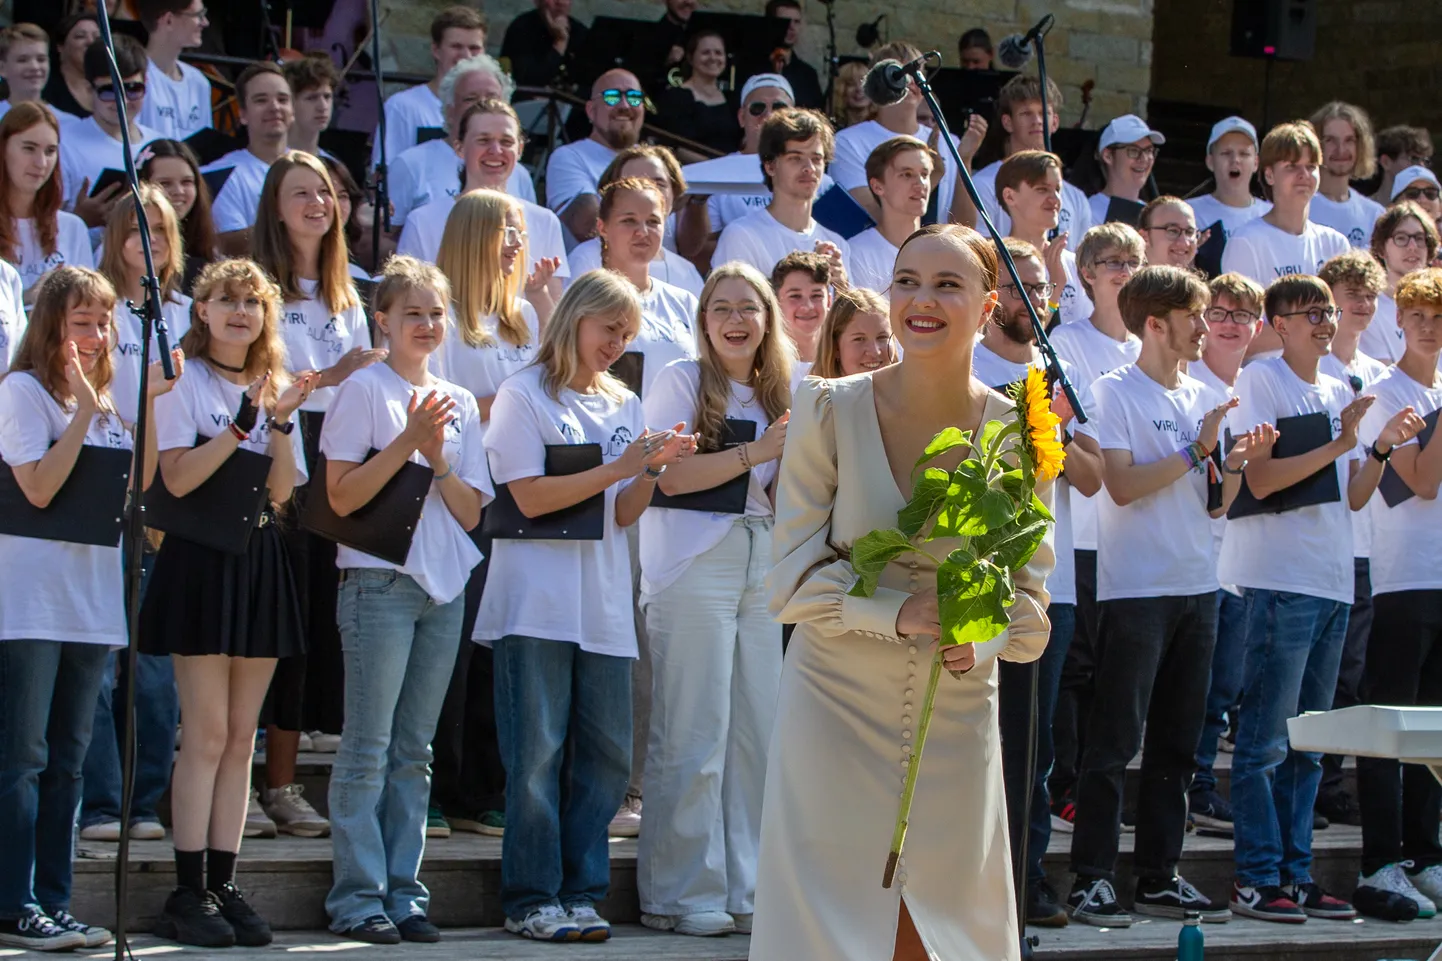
[{"x": 716, "y": 673}]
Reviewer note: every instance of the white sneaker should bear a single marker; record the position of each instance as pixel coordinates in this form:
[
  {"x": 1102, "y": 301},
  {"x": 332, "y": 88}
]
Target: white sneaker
[
  {"x": 1428, "y": 883},
  {"x": 742, "y": 922},
  {"x": 549, "y": 922},
  {"x": 104, "y": 831},
  {"x": 257, "y": 824},
  {"x": 292, "y": 813},
  {"x": 592, "y": 926},
  {"x": 323, "y": 743},
  {"x": 147, "y": 831},
  {"x": 698, "y": 924},
  {"x": 305, "y": 743},
  {"x": 1394, "y": 879},
  {"x": 1061, "y": 825},
  {"x": 627, "y": 822}
]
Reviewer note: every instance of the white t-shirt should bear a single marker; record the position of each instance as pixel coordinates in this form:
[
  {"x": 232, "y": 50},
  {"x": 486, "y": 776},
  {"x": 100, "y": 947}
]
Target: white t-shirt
[
  {"x": 854, "y": 145},
  {"x": 1208, "y": 210},
  {"x": 1408, "y": 552},
  {"x": 577, "y": 592},
  {"x": 799, "y": 372},
  {"x": 671, "y": 538},
  {"x": 1075, "y": 304},
  {"x": 1383, "y": 338},
  {"x": 55, "y": 590},
  {"x": 1352, "y": 218},
  {"x": 235, "y": 206},
  {"x": 406, "y": 112},
  {"x": 429, "y": 170},
  {"x": 724, "y": 208},
  {"x": 72, "y": 246},
  {"x": 1198, "y": 370},
  {"x": 481, "y": 369},
  {"x": 315, "y": 338},
  {"x": 369, "y": 412},
  {"x": 86, "y": 150},
  {"x": 13, "y": 320},
  {"x": 761, "y": 240},
  {"x": 176, "y": 108},
  {"x": 1074, "y": 219},
  {"x": 873, "y": 258},
  {"x": 202, "y": 404},
  {"x": 668, "y": 332},
  {"x": 1159, "y": 545},
  {"x": 1263, "y": 252},
  {"x": 575, "y": 169},
  {"x": 1307, "y": 550},
  {"x": 421, "y": 236},
  {"x": 1368, "y": 371},
  {"x": 670, "y": 267},
  {"x": 1091, "y": 354},
  {"x": 125, "y": 355}
]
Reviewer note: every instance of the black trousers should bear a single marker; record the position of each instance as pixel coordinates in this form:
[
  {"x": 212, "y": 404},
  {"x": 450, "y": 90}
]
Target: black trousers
[
  {"x": 1074, "y": 694},
  {"x": 1153, "y": 667},
  {"x": 1401, "y": 802},
  {"x": 1354, "y": 661}
]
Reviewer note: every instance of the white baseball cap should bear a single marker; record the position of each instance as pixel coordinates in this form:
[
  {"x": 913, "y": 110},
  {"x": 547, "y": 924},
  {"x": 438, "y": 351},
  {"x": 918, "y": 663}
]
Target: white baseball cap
[
  {"x": 1410, "y": 176},
  {"x": 1128, "y": 128},
  {"x": 760, "y": 80},
  {"x": 1232, "y": 125}
]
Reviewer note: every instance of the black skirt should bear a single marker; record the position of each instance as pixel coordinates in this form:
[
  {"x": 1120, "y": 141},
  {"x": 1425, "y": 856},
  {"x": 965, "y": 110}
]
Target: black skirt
[{"x": 201, "y": 601}]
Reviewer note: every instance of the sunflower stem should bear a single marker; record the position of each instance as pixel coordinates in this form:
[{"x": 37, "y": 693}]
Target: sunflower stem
[{"x": 923, "y": 724}]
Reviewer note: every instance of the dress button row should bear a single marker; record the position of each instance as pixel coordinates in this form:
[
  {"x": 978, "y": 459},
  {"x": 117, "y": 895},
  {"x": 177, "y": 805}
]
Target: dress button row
[{"x": 911, "y": 649}]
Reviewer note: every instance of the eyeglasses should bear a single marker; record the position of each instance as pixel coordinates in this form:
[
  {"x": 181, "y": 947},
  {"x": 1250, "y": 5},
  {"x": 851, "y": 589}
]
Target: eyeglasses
[
  {"x": 134, "y": 90},
  {"x": 758, "y": 107},
  {"x": 513, "y": 236},
  {"x": 1035, "y": 291},
  {"x": 202, "y": 14},
  {"x": 747, "y": 312},
  {"x": 1314, "y": 315},
  {"x": 1176, "y": 232},
  {"x": 1134, "y": 152},
  {"x": 1220, "y": 315},
  {"x": 1408, "y": 240},
  {"x": 1417, "y": 193},
  {"x": 1117, "y": 266},
  {"x": 634, "y": 98}
]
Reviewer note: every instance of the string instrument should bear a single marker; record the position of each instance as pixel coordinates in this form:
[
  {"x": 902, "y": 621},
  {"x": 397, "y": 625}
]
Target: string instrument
[{"x": 1086, "y": 91}]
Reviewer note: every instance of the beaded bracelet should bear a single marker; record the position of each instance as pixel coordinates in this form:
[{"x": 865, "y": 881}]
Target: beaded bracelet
[{"x": 745, "y": 456}]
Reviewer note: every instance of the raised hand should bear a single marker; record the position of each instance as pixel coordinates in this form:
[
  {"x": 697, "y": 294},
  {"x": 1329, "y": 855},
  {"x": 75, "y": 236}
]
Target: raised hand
[
  {"x": 1352, "y": 416},
  {"x": 155, "y": 382},
  {"x": 675, "y": 445},
  {"x": 1212, "y": 423},
  {"x": 350, "y": 362},
  {"x": 838, "y": 267},
  {"x": 1051, "y": 256},
  {"x": 972, "y": 137},
  {"x": 546, "y": 268},
  {"x": 1251, "y": 445},
  {"x": 293, "y": 396},
  {"x": 86, "y": 400},
  {"x": 426, "y": 420},
  {"x": 1404, "y": 425},
  {"x": 772, "y": 442}
]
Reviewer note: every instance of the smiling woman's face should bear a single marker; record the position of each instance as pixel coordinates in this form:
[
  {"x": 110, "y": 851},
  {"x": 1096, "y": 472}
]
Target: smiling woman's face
[{"x": 939, "y": 297}]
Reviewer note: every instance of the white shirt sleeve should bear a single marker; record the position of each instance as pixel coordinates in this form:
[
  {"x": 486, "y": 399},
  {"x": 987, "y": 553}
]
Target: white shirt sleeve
[
  {"x": 472, "y": 469},
  {"x": 543, "y": 234},
  {"x": 520, "y": 184},
  {"x": 231, "y": 210},
  {"x": 848, "y": 167},
  {"x": 1239, "y": 256},
  {"x": 1108, "y": 412},
  {"x": 514, "y": 440},
  {"x": 566, "y": 179},
  {"x": 349, "y": 428},
  {"x": 400, "y": 189},
  {"x": 672, "y": 397},
  {"x": 24, "y": 438},
  {"x": 411, "y": 243},
  {"x": 175, "y": 422}
]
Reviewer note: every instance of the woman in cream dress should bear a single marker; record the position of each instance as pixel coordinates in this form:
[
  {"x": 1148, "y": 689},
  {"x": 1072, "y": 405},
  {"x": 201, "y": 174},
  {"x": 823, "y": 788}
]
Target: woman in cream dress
[{"x": 857, "y": 667}]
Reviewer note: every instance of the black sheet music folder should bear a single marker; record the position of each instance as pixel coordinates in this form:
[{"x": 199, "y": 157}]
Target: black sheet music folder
[
  {"x": 1392, "y": 487},
  {"x": 1297, "y": 435},
  {"x": 88, "y": 509},
  {"x": 585, "y": 521},
  {"x": 222, "y": 511},
  {"x": 383, "y": 528},
  {"x": 728, "y": 497}
]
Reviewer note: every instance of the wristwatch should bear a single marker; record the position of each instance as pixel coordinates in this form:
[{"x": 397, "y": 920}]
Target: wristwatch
[
  {"x": 1381, "y": 457},
  {"x": 1234, "y": 473},
  {"x": 285, "y": 428},
  {"x": 653, "y": 472}
]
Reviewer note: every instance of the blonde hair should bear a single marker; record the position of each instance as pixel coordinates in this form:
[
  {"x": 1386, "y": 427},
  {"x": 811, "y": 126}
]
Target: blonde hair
[
  {"x": 270, "y": 240},
  {"x": 42, "y": 350},
  {"x": 1241, "y": 288},
  {"x": 1289, "y": 143},
  {"x": 470, "y": 258},
  {"x": 844, "y": 309},
  {"x": 1103, "y": 238},
  {"x": 1366, "y": 164},
  {"x": 403, "y": 274},
  {"x": 771, "y": 365},
  {"x": 237, "y": 276},
  {"x": 123, "y": 220},
  {"x": 1420, "y": 289},
  {"x": 597, "y": 293}
]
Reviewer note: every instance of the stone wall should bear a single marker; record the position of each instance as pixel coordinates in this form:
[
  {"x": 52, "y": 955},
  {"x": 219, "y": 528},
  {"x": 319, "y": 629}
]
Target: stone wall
[{"x": 1105, "y": 41}]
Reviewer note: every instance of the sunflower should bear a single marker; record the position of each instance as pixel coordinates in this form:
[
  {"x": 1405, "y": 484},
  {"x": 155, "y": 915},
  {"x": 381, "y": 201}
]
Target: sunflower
[{"x": 1039, "y": 438}]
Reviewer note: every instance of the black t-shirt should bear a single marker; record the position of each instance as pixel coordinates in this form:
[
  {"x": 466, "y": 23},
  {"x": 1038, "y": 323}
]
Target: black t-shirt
[
  {"x": 804, "y": 83},
  {"x": 714, "y": 125},
  {"x": 58, "y": 95},
  {"x": 534, "y": 61}
]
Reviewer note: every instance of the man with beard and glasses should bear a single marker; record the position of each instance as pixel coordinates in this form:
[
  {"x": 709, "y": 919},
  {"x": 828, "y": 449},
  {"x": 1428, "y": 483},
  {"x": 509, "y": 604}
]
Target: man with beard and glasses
[
  {"x": 1008, "y": 347},
  {"x": 1347, "y": 155},
  {"x": 617, "y": 109}
]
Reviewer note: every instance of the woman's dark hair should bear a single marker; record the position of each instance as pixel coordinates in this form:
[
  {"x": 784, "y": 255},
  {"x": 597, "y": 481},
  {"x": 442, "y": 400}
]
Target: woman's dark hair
[
  {"x": 196, "y": 228},
  {"x": 62, "y": 32},
  {"x": 345, "y": 183}
]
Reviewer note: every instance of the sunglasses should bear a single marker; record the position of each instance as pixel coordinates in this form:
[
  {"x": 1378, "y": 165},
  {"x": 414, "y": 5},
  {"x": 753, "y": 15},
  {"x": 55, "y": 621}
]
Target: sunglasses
[
  {"x": 1417, "y": 193},
  {"x": 134, "y": 90},
  {"x": 611, "y": 98},
  {"x": 758, "y": 107}
]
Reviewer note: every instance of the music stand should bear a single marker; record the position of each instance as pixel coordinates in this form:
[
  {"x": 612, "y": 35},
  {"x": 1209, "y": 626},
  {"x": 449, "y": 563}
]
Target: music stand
[
  {"x": 750, "y": 39},
  {"x": 616, "y": 42},
  {"x": 965, "y": 92}
]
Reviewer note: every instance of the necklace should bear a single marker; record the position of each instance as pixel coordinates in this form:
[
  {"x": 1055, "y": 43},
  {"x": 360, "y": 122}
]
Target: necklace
[{"x": 233, "y": 370}]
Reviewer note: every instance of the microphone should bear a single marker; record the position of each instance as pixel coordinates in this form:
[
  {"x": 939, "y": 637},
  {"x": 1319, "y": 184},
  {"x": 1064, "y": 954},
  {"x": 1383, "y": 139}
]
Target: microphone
[
  {"x": 1013, "y": 52},
  {"x": 1042, "y": 28},
  {"x": 868, "y": 33},
  {"x": 887, "y": 81}
]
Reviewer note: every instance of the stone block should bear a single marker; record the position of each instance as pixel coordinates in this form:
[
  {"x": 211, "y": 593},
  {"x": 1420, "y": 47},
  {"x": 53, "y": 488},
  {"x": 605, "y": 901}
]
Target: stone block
[
  {"x": 1103, "y": 48},
  {"x": 1066, "y": 70},
  {"x": 1136, "y": 80}
]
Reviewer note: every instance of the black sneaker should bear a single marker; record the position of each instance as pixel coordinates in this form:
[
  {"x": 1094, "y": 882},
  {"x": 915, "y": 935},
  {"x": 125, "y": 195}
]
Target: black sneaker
[
  {"x": 37, "y": 931},
  {"x": 193, "y": 917},
  {"x": 1210, "y": 810},
  {"x": 95, "y": 936},
  {"x": 374, "y": 930},
  {"x": 1269, "y": 903},
  {"x": 1319, "y": 823},
  {"x": 1316, "y": 903},
  {"x": 417, "y": 928},
  {"x": 1094, "y": 901},
  {"x": 251, "y": 931},
  {"x": 1043, "y": 907},
  {"x": 1175, "y": 898},
  {"x": 1339, "y": 807}
]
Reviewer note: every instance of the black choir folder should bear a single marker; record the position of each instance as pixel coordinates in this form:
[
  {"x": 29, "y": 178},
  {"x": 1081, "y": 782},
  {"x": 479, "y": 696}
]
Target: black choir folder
[
  {"x": 89, "y": 508},
  {"x": 631, "y": 370},
  {"x": 384, "y": 527},
  {"x": 585, "y": 521},
  {"x": 1392, "y": 487},
  {"x": 222, "y": 511},
  {"x": 728, "y": 497},
  {"x": 1296, "y": 435}
]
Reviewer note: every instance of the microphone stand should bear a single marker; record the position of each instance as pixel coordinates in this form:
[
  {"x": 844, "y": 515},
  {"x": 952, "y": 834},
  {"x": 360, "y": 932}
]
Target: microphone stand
[
  {"x": 152, "y": 322},
  {"x": 917, "y": 69},
  {"x": 380, "y": 179},
  {"x": 832, "y": 53},
  {"x": 1045, "y": 115}
]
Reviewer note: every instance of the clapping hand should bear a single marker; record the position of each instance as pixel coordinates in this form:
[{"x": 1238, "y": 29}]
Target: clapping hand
[
  {"x": 1404, "y": 425},
  {"x": 1212, "y": 423},
  {"x": 546, "y": 268},
  {"x": 426, "y": 421},
  {"x": 86, "y": 399},
  {"x": 1352, "y": 416},
  {"x": 155, "y": 382}
]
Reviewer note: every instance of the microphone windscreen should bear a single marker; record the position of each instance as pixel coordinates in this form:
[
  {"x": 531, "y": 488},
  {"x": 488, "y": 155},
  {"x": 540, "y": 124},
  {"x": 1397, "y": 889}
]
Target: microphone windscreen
[
  {"x": 885, "y": 83},
  {"x": 1011, "y": 52}
]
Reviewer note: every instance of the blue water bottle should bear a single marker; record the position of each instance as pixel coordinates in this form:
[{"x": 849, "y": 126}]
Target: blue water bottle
[{"x": 1189, "y": 942}]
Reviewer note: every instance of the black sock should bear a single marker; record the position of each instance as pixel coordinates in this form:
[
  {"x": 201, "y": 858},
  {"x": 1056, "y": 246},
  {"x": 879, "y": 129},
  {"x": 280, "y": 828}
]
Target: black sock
[
  {"x": 190, "y": 869},
  {"x": 220, "y": 868}
]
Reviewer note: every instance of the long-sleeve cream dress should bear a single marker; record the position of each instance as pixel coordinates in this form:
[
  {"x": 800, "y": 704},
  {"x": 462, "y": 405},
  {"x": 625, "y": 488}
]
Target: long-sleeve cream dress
[{"x": 845, "y": 724}]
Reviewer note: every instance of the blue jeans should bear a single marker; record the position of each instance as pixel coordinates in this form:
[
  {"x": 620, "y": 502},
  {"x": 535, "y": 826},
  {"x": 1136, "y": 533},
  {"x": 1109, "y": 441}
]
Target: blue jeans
[
  {"x": 1294, "y": 646},
  {"x": 157, "y": 711},
  {"x": 1228, "y": 668},
  {"x": 400, "y": 647},
  {"x": 47, "y": 705},
  {"x": 1014, "y": 711},
  {"x": 563, "y": 717}
]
